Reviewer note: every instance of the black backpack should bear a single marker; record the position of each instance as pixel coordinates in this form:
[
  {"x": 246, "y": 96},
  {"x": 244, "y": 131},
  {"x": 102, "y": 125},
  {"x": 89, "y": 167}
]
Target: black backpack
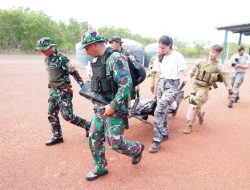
[{"x": 137, "y": 72}]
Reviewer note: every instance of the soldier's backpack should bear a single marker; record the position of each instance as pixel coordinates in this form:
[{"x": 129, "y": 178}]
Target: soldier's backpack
[{"x": 137, "y": 71}]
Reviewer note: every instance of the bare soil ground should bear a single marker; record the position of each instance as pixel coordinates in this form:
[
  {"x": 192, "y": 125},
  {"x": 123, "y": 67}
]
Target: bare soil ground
[{"x": 215, "y": 156}]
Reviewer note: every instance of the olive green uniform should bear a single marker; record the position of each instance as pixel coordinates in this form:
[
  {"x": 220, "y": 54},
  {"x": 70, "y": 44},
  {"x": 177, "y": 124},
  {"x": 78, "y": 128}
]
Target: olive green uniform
[{"x": 205, "y": 75}]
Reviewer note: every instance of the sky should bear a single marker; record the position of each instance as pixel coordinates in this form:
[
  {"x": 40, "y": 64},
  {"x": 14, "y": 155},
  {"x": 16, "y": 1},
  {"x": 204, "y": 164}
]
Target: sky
[{"x": 187, "y": 20}]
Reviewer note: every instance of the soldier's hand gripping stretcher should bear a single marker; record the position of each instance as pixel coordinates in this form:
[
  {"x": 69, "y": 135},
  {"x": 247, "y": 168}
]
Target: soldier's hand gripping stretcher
[{"x": 105, "y": 109}]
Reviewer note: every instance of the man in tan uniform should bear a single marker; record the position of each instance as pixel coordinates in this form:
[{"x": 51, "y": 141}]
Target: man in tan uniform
[
  {"x": 206, "y": 73},
  {"x": 152, "y": 74}
]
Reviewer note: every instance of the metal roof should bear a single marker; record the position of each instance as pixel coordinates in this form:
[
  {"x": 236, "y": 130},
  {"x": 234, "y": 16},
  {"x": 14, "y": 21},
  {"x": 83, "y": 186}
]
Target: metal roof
[{"x": 239, "y": 28}]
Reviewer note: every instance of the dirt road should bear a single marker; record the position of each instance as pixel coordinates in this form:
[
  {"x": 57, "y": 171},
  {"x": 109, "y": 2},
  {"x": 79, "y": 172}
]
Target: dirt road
[{"x": 215, "y": 156}]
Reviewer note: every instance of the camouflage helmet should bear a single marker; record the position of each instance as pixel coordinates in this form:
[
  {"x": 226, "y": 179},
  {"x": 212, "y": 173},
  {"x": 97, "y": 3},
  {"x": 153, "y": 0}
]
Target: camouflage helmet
[
  {"x": 116, "y": 39},
  {"x": 91, "y": 37},
  {"x": 44, "y": 43}
]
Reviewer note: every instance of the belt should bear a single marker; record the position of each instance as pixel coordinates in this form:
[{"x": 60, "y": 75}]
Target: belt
[{"x": 59, "y": 87}]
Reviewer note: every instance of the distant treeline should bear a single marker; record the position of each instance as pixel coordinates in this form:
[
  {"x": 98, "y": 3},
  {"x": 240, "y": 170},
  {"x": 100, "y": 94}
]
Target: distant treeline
[{"x": 20, "y": 29}]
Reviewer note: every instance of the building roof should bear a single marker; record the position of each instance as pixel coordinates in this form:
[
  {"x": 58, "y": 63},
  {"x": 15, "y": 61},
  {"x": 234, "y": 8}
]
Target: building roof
[{"x": 239, "y": 28}]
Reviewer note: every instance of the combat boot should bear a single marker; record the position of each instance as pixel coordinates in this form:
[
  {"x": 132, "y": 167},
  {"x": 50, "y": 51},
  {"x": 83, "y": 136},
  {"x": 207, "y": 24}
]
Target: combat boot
[
  {"x": 236, "y": 99},
  {"x": 54, "y": 140},
  {"x": 137, "y": 159},
  {"x": 188, "y": 128},
  {"x": 57, "y": 136},
  {"x": 154, "y": 147},
  {"x": 93, "y": 175},
  {"x": 230, "y": 104},
  {"x": 201, "y": 117}
]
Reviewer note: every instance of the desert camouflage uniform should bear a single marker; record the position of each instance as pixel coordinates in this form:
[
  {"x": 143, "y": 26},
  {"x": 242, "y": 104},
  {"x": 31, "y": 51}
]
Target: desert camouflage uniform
[
  {"x": 201, "y": 86},
  {"x": 152, "y": 74}
]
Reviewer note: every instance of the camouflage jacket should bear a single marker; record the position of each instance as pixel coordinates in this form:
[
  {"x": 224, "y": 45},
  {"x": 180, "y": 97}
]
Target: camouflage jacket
[
  {"x": 118, "y": 68},
  {"x": 59, "y": 68},
  {"x": 206, "y": 73},
  {"x": 151, "y": 65}
]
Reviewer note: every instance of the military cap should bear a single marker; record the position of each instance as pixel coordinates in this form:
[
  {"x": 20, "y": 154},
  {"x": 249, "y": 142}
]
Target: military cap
[
  {"x": 91, "y": 37},
  {"x": 116, "y": 38},
  {"x": 44, "y": 44}
]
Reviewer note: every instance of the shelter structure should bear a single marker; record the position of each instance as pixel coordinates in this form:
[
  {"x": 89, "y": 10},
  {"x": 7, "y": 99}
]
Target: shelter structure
[{"x": 241, "y": 29}]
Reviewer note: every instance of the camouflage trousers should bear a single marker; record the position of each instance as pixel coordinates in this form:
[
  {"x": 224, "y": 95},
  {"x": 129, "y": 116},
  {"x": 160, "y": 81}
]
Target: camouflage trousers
[
  {"x": 237, "y": 79},
  {"x": 167, "y": 91},
  {"x": 111, "y": 127},
  {"x": 200, "y": 98},
  {"x": 61, "y": 100}
]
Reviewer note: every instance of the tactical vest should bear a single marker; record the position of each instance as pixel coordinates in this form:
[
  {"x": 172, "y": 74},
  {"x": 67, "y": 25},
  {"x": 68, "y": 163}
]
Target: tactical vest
[
  {"x": 55, "y": 74},
  {"x": 207, "y": 75},
  {"x": 102, "y": 83}
]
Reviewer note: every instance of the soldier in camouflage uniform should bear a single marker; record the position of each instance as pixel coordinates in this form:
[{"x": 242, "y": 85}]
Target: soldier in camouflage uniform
[
  {"x": 116, "y": 44},
  {"x": 60, "y": 93},
  {"x": 111, "y": 79},
  {"x": 239, "y": 62},
  {"x": 206, "y": 73},
  {"x": 169, "y": 67},
  {"x": 152, "y": 74}
]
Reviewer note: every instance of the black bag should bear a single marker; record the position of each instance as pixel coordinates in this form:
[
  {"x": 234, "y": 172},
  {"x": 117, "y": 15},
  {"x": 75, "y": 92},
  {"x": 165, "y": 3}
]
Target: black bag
[
  {"x": 137, "y": 72},
  {"x": 144, "y": 107}
]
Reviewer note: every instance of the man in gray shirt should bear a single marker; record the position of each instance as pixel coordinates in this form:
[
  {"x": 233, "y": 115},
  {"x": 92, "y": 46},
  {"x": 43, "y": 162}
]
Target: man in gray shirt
[{"x": 240, "y": 63}]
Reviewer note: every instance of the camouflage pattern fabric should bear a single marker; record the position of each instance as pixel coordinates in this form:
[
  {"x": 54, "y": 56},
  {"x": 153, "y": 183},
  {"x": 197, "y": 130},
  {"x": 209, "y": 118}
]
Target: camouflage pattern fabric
[
  {"x": 166, "y": 93},
  {"x": 201, "y": 97},
  {"x": 91, "y": 37},
  {"x": 113, "y": 129},
  {"x": 113, "y": 126},
  {"x": 59, "y": 68},
  {"x": 61, "y": 100},
  {"x": 44, "y": 44},
  {"x": 152, "y": 74},
  {"x": 60, "y": 92},
  {"x": 237, "y": 79},
  {"x": 201, "y": 92}
]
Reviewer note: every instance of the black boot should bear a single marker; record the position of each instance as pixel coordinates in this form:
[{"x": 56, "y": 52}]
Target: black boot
[
  {"x": 93, "y": 175},
  {"x": 53, "y": 141},
  {"x": 230, "y": 104},
  {"x": 57, "y": 136},
  {"x": 154, "y": 147},
  {"x": 236, "y": 99},
  {"x": 137, "y": 159}
]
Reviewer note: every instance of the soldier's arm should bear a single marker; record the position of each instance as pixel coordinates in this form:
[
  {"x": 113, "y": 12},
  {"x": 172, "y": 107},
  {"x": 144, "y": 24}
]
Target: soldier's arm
[
  {"x": 151, "y": 73},
  {"x": 157, "y": 78},
  {"x": 190, "y": 76},
  {"x": 224, "y": 74},
  {"x": 70, "y": 68},
  {"x": 193, "y": 70},
  {"x": 122, "y": 78}
]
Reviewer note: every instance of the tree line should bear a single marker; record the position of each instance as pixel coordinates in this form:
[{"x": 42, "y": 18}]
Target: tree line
[{"x": 20, "y": 28}]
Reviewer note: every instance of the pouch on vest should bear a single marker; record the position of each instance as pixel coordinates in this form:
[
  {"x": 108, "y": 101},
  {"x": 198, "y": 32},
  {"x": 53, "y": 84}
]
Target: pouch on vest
[
  {"x": 206, "y": 76},
  {"x": 201, "y": 75}
]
